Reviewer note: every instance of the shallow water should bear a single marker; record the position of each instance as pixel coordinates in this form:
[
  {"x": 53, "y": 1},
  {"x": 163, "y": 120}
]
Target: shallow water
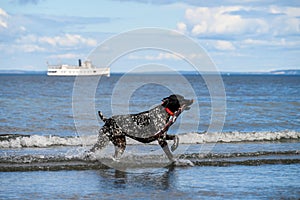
[
  {"x": 43, "y": 105},
  {"x": 150, "y": 156},
  {"x": 235, "y": 182},
  {"x": 257, "y": 156}
]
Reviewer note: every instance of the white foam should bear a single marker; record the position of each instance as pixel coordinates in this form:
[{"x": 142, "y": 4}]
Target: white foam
[
  {"x": 46, "y": 141},
  {"x": 194, "y": 138},
  {"x": 187, "y": 138}
]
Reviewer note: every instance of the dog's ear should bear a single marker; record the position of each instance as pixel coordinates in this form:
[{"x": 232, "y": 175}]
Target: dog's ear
[
  {"x": 165, "y": 101},
  {"x": 178, "y": 97},
  {"x": 171, "y": 102}
]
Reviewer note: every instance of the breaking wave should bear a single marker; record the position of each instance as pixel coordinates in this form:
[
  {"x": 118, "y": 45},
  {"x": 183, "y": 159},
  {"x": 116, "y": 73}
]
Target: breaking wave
[
  {"x": 79, "y": 162},
  {"x": 38, "y": 141},
  {"x": 22, "y": 141}
]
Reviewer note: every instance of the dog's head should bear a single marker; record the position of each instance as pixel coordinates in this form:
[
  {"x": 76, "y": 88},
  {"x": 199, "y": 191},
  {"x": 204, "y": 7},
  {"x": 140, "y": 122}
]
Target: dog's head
[{"x": 175, "y": 101}]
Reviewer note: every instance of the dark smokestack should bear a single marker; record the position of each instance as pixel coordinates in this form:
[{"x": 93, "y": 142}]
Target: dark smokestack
[{"x": 79, "y": 63}]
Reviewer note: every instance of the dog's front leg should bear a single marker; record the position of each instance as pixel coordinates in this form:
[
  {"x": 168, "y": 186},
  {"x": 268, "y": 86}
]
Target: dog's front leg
[
  {"x": 102, "y": 141},
  {"x": 164, "y": 145},
  {"x": 175, "y": 139}
]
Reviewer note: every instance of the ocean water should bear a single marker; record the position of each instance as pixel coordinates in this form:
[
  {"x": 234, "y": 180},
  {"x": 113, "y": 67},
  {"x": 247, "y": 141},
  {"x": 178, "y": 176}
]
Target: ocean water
[{"x": 47, "y": 123}]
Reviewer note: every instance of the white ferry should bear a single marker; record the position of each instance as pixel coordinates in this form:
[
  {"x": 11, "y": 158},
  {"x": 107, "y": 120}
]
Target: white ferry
[{"x": 83, "y": 69}]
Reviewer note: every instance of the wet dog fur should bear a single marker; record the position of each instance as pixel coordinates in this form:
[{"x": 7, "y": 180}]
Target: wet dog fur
[{"x": 142, "y": 126}]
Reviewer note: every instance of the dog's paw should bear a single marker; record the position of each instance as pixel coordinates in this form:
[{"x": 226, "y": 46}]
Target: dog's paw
[
  {"x": 89, "y": 156},
  {"x": 183, "y": 163},
  {"x": 115, "y": 159},
  {"x": 175, "y": 144}
]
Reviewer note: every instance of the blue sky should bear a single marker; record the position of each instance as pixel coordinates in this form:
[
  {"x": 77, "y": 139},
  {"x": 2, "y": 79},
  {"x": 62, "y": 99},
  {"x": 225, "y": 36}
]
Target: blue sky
[{"x": 243, "y": 36}]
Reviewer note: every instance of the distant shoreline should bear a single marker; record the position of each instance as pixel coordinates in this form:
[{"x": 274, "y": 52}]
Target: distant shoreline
[{"x": 276, "y": 72}]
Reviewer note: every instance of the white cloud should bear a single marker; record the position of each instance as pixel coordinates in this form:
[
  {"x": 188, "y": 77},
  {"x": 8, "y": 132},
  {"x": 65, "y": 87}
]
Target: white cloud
[
  {"x": 199, "y": 28},
  {"x": 164, "y": 56},
  {"x": 22, "y": 28},
  {"x": 220, "y": 20},
  {"x": 3, "y": 18},
  {"x": 3, "y": 12},
  {"x": 224, "y": 45},
  {"x": 181, "y": 27},
  {"x": 279, "y": 42},
  {"x": 27, "y": 39},
  {"x": 287, "y": 21},
  {"x": 242, "y": 20},
  {"x": 34, "y": 43},
  {"x": 292, "y": 11},
  {"x": 65, "y": 56},
  {"x": 160, "y": 56},
  {"x": 232, "y": 28},
  {"x": 68, "y": 40},
  {"x": 29, "y": 48}
]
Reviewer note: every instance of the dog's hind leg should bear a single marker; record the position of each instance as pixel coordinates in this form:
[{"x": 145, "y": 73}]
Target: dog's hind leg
[
  {"x": 103, "y": 136},
  {"x": 120, "y": 145}
]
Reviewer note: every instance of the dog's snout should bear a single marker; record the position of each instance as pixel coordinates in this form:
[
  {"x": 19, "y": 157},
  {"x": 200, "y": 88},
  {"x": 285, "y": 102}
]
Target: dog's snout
[{"x": 188, "y": 101}]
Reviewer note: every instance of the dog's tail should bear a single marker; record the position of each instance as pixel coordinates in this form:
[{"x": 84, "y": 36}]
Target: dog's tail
[{"x": 101, "y": 116}]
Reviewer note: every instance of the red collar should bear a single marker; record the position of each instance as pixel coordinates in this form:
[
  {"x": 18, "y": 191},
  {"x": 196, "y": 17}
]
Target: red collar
[{"x": 169, "y": 111}]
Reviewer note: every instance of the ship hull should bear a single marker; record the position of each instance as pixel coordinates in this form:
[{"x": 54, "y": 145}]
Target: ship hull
[{"x": 79, "y": 72}]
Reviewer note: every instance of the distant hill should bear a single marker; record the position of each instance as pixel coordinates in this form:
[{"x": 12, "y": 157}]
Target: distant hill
[
  {"x": 21, "y": 72},
  {"x": 275, "y": 72},
  {"x": 286, "y": 72}
]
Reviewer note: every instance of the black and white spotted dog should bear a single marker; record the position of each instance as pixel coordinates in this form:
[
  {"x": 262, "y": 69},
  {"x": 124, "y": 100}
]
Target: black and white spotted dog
[{"x": 144, "y": 127}]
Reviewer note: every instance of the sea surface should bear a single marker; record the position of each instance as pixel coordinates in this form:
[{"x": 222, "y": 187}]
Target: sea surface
[{"x": 47, "y": 124}]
